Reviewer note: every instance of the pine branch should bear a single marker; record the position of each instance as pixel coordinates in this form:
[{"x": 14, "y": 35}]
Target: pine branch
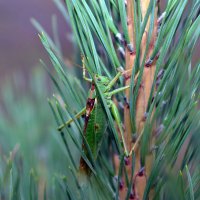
[{"x": 160, "y": 108}]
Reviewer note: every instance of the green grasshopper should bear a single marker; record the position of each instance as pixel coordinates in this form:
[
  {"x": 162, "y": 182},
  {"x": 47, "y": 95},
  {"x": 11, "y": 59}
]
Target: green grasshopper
[{"x": 96, "y": 120}]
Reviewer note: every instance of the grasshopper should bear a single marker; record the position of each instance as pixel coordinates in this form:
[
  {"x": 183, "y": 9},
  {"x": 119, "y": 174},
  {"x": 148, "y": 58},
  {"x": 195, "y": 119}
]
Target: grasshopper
[{"x": 96, "y": 121}]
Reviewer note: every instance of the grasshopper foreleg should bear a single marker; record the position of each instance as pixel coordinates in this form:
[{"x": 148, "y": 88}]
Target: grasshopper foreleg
[
  {"x": 77, "y": 116},
  {"x": 84, "y": 71}
]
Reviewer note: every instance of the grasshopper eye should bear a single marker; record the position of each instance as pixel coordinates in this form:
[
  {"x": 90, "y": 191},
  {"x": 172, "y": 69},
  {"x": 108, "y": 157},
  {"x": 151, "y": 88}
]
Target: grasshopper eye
[{"x": 97, "y": 77}]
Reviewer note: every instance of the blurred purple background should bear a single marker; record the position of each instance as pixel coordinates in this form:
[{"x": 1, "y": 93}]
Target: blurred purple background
[{"x": 20, "y": 48}]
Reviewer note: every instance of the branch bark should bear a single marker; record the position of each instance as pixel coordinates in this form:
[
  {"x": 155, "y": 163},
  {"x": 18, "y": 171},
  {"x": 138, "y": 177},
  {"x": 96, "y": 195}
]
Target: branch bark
[{"x": 142, "y": 99}]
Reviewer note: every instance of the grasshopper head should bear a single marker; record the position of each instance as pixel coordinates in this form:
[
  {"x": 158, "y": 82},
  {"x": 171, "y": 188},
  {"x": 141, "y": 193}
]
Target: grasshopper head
[{"x": 102, "y": 79}]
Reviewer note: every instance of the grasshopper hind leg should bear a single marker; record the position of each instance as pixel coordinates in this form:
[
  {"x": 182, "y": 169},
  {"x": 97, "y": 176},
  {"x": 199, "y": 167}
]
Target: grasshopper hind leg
[{"x": 116, "y": 116}]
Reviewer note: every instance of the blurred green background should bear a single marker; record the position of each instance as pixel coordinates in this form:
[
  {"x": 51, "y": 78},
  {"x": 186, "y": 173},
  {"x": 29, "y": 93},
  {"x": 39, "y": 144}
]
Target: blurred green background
[{"x": 27, "y": 127}]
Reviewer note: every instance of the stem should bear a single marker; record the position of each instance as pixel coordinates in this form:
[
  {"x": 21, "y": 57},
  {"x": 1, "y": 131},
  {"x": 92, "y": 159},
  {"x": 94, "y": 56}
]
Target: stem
[
  {"x": 142, "y": 99},
  {"x": 129, "y": 59}
]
